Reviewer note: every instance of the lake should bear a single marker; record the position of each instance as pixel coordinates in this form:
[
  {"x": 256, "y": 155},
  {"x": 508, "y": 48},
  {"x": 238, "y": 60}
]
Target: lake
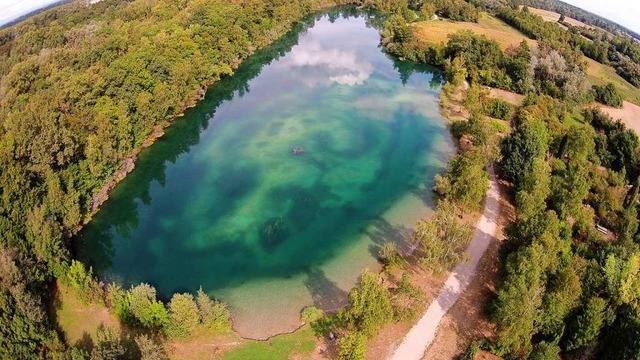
[{"x": 277, "y": 189}]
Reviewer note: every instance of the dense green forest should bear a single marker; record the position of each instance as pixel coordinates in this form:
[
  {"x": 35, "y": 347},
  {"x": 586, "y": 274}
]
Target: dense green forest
[
  {"x": 566, "y": 288},
  {"x": 83, "y": 88}
]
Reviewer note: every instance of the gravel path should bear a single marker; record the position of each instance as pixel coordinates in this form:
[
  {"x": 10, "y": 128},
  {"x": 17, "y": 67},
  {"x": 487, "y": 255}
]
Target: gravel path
[{"x": 418, "y": 339}]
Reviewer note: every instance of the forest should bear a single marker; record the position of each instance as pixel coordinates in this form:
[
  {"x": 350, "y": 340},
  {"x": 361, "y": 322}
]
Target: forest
[
  {"x": 566, "y": 289},
  {"x": 84, "y": 88}
]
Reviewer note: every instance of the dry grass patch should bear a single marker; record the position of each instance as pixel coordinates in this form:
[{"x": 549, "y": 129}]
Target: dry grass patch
[
  {"x": 554, "y": 16},
  {"x": 508, "y": 96},
  {"x": 629, "y": 114},
  {"x": 599, "y": 74},
  {"x": 203, "y": 344},
  {"x": 436, "y": 31},
  {"x": 79, "y": 322}
]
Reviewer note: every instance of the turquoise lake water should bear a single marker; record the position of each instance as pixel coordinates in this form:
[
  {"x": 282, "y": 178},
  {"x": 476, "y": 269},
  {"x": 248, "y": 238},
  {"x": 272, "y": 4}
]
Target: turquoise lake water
[{"x": 222, "y": 202}]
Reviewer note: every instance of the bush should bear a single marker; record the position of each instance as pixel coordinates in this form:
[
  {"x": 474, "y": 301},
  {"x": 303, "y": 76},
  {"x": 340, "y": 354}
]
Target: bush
[
  {"x": 499, "y": 126},
  {"x": 213, "y": 314},
  {"x": 108, "y": 344},
  {"x": 83, "y": 282},
  {"x": 352, "y": 346},
  {"x": 311, "y": 314},
  {"x": 149, "y": 349},
  {"x": 369, "y": 307},
  {"x": 472, "y": 351},
  {"x": 389, "y": 255},
  {"x": 183, "y": 316},
  {"x": 608, "y": 95},
  {"x": 498, "y": 109},
  {"x": 145, "y": 308}
]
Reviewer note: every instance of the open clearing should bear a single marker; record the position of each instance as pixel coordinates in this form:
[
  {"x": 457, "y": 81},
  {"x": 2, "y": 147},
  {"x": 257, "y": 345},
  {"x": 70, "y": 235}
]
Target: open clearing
[
  {"x": 508, "y": 96},
  {"x": 436, "y": 31},
  {"x": 78, "y": 321},
  {"x": 554, "y": 16},
  {"x": 599, "y": 74},
  {"x": 629, "y": 114}
]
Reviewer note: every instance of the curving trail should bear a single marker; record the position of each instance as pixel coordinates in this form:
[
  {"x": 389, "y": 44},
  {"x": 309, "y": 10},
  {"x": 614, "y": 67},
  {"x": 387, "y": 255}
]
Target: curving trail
[{"x": 418, "y": 339}]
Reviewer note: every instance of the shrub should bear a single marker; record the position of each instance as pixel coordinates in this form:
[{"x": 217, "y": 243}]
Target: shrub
[
  {"x": 311, "y": 314},
  {"x": 213, "y": 314},
  {"x": 108, "y": 344},
  {"x": 369, "y": 307},
  {"x": 149, "y": 349},
  {"x": 608, "y": 95},
  {"x": 389, "y": 255},
  {"x": 352, "y": 346},
  {"x": 83, "y": 282},
  {"x": 498, "y": 109},
  {"x": 499, "y": 126},
  {"x": 144, "y": 306},
  {"x": 183, "y": 315}
]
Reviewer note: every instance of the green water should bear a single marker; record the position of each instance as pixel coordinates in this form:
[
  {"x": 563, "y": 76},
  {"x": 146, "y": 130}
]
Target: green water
[{"x": 222, "y": 202}]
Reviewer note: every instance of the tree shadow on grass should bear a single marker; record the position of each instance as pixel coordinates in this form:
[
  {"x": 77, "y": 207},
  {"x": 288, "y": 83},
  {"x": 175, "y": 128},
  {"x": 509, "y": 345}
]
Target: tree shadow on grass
[{"x": 85, "y": 343}]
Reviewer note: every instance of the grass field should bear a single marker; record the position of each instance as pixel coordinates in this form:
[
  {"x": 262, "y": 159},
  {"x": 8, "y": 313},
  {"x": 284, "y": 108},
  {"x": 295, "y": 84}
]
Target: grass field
[
  {"x": 554, "y": 16},
  {"x": 599, "y": 74},
  {"x": 437, "y": 30},
  {"x": 78, "y": 321},
  {"x": 299, "y": 344}
]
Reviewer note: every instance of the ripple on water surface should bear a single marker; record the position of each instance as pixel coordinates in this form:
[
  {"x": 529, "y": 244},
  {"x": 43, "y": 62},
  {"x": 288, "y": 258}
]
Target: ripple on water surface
[{"x": 222, "y": 202}]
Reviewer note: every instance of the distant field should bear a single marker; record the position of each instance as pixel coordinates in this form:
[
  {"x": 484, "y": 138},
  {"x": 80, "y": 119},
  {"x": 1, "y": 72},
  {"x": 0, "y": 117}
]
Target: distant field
[
  {"x": 599, "y": 74},
  {"x": 629, "y": 114},
  {"x": 554, "y": 16},
  {"x": 438, "y": 30}
]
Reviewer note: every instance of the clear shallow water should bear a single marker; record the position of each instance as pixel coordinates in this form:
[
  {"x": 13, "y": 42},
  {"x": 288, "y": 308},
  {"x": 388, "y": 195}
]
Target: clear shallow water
[{"x": 221, "y": 202}]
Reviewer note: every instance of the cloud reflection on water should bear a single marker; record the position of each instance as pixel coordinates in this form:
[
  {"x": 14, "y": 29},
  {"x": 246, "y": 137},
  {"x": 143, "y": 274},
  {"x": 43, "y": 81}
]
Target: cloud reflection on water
[{"x": 328, "y": 65}]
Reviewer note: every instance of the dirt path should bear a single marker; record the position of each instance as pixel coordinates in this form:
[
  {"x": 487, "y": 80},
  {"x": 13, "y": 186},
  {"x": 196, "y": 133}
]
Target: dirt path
[{"x": 422, "y": 334}]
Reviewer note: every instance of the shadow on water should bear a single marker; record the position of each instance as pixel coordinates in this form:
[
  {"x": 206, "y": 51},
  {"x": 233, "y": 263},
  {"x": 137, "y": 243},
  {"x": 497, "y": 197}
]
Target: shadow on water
[
  {"x": 272, "y": 249},
  {"x": 382, "y": 232},
  {"x": 325, "y": 293}
]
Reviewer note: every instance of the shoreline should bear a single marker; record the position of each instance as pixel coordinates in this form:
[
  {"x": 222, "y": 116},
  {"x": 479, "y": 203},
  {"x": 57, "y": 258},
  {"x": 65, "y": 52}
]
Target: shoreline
[
  {"x": 128, "y": 165},
  {"x": 422, "y": 334}
]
